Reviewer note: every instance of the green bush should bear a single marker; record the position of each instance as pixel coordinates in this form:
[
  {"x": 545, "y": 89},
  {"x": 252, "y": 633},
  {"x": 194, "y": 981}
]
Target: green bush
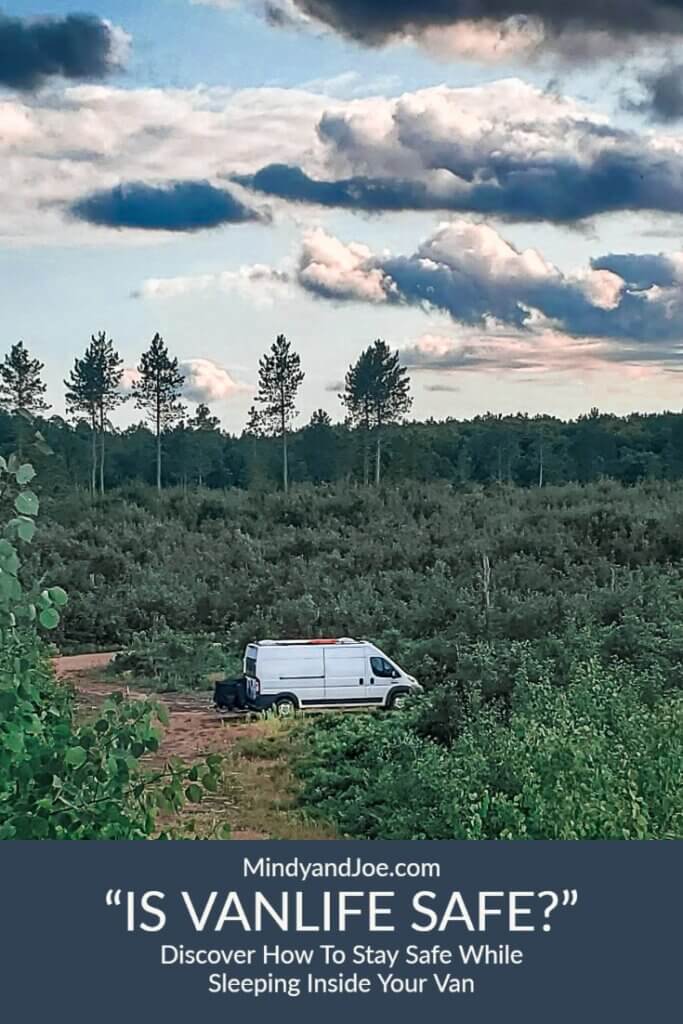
[
  {"x": 167, "y": 661},
  {"x": 61, "y": 778},
  {"x": 600, "y": 758}
]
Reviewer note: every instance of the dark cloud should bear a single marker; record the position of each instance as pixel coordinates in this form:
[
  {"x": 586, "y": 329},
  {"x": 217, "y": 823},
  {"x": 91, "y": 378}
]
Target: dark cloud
[
  {"x": 179, "y": 206},
  {"x": 639, "y": 270},
  {"x": 557, "y": 189},
  {"x": 359, "y": 193},
  {"x": 374, "y": 22},
  {"x": 663, "y": 94},
  {"x": 78, "y": 46}
]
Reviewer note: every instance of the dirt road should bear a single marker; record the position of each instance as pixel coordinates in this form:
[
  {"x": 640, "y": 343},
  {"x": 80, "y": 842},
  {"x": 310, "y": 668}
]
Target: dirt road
[
  {"x": 258, "y": 797},
  {"x": 65, "y": 666}
]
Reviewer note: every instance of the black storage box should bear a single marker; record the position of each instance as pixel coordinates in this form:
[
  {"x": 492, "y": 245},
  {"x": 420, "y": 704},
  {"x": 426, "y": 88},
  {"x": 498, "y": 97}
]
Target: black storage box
[{"x": 231, "y": 695}]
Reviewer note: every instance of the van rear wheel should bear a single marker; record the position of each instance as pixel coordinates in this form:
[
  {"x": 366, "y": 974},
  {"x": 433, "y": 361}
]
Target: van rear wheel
[{"x": 286, "y": 707}]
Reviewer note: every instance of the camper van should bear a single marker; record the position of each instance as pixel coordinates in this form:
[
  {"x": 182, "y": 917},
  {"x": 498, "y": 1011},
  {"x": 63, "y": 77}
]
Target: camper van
[{"x": 290, "y": 675}]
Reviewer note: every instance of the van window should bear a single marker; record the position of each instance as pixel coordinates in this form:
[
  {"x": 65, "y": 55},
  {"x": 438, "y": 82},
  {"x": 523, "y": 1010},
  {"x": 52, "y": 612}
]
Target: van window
[
  {"x": 382, "y": 668},
  {"x": 250, "y": 667}
]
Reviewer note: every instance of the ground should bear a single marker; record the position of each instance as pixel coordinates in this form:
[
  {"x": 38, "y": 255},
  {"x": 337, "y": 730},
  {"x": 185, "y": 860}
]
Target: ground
[{"x": 258, "y": 796}]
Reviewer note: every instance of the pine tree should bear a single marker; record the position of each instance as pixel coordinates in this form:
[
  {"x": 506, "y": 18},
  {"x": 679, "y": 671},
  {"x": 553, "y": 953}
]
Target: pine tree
[
  {"x": 21, "y": 387},
  {"x": 280, "y": 377},
  {"x": 157, "y": 392},
  {"x": 93, "y": 388},
  {"x": 376, "y": 393}
]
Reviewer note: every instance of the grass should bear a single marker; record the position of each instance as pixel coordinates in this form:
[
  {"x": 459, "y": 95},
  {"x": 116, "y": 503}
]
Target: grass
[{"x": 261, "y": 789}]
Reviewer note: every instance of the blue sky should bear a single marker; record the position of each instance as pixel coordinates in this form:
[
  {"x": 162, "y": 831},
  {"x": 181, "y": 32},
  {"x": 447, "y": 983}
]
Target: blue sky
[{"x": 478, "y": 266}]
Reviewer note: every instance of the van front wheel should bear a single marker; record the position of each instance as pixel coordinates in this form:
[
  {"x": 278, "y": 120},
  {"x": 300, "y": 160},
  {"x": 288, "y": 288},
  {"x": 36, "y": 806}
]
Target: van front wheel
[
  {"x": 398, "y": 700},
  {"x": 286, "y": 707}
]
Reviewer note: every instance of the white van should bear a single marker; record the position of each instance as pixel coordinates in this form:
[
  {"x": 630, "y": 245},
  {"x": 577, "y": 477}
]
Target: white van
[{"x": 290, "y": 675}]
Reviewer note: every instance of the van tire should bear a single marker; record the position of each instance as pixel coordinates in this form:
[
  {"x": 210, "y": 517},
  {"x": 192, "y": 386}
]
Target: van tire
[
  {"x": 285, "y": 707},
  {"x": 397, "y": 699}
]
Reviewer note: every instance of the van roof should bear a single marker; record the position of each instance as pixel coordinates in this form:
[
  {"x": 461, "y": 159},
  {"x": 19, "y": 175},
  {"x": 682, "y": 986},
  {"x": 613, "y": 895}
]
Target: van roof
[{"x": 301, "y": 643}]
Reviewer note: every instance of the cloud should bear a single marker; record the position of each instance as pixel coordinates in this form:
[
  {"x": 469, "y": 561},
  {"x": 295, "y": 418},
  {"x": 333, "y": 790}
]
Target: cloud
[
  {"x": 578, "y": 30},
  {"x": 663, "y": 89},
  {"x": 175, "y": 206},
  {"x": 506, "y": 149},
  {"x": 207, "y": 381},
  {"x": 260, "y": 282},
  {"x": 546, "y": 352},
  {"x": 641, "y": 271},
  {"x": 443, "y": 387},
  {"x": 332, "y": 270},
  {"x": 60, "y": 146},
  {"x": 78, "y": 46},
  {"x": 480, "y": 280}
]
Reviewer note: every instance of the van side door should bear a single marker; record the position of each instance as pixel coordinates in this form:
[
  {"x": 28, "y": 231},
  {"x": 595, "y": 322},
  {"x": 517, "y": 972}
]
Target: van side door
[
  {"x": 345, "y": 675},
  {"x": 297, "y": 670}
]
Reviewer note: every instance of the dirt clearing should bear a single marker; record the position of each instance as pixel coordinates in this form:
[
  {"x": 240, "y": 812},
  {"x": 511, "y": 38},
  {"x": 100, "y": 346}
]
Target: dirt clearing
[{"x": 258, "y": 796}]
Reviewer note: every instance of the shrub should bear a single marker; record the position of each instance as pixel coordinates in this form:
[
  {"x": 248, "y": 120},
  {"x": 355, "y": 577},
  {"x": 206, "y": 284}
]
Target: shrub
[{"x": 599, "y": 758}]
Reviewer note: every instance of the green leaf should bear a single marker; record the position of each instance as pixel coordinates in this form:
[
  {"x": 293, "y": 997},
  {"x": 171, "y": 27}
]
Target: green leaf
[
  {"x": 25, "y": 474},
  {"x": 194, "y": 793},
  {"x": 210, "y": 783},
  {"x": 26, "y": 529},
  {"x": 49, "y": 618},
  {"x": 27, "y": 503},
  {"x": 58, "y": 596},
  {"x": 75, "y": 756}
]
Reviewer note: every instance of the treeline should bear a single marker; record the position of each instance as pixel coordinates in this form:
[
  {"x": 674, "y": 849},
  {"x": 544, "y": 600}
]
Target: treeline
[
  {"x": 171, "y": 448},
  {"x": 527, "y": 451}
]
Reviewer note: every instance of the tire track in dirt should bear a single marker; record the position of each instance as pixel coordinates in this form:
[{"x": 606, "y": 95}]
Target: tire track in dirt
[{"x": 194, "y": 729}]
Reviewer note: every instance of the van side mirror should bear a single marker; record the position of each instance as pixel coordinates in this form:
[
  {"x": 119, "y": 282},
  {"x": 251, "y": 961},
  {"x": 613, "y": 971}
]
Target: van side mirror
[{"x": 395, "y": 673}]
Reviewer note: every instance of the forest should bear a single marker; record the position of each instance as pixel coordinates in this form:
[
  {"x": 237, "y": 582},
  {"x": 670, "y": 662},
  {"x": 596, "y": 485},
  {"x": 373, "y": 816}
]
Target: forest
[
  {"x": 375, "y": 440},
  {"x": 534, "y": 588}
]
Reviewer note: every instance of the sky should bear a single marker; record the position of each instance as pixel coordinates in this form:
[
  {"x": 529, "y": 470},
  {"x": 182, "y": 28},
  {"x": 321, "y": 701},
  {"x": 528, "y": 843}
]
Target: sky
[{"x": 494, "y": 187}]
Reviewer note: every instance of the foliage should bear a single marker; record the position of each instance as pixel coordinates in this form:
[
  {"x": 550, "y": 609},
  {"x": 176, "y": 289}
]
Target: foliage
[
  {"x": 376, "y": 392},
  {"x": 519, "y": 450},
  {"x": 93, "y": 388},
  {"x": 280, "y": 377},
  {"x": 597, "y": 759},
  {"x": 157, "y": 392},
  {"x": 168, "y": 660},
  {"x": 61, "y": 778},
  {"x": 546, "y": 625},
  {"x": 21, "y": 387}
]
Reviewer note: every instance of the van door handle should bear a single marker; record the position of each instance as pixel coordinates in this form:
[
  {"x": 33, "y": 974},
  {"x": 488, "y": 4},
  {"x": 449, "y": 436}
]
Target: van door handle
[
  {"x": 360, "y": 682},
  {"x": 372, "y": 681}
]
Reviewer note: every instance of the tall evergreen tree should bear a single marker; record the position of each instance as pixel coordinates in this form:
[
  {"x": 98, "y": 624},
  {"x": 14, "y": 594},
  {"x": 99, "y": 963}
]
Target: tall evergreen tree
[
  {"x": 376, "y": 393},
  {"x": 280, "y": 377},
  {"x": 21, "y": 386},
  {"x": 157, "y": 392},
  {"x": 94, "y": 389}
]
